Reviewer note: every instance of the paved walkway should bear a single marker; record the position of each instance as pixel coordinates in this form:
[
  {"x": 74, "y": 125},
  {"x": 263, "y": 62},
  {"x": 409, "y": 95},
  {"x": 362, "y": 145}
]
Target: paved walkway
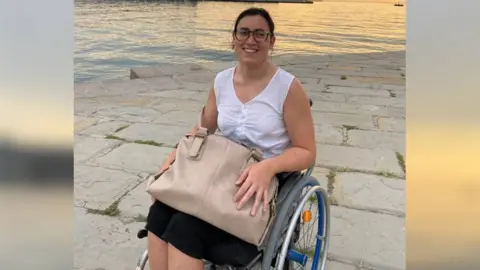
[{"x": 125, "y": 128}]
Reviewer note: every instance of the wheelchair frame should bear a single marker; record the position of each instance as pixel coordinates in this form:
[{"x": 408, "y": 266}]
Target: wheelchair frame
[{"x": 278, "y": 242}]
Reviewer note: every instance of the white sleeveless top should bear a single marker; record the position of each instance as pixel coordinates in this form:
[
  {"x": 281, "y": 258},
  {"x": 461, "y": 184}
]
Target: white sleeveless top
[{"x": 258, "y": 123}]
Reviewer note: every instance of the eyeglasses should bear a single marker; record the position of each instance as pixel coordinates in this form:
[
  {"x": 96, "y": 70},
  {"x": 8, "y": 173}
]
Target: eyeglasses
[{"x": 258, "y": 35}]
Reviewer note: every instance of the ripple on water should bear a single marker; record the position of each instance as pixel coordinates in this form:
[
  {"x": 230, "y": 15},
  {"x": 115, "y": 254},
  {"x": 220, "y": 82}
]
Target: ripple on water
[{"x": 112, "y": 37}]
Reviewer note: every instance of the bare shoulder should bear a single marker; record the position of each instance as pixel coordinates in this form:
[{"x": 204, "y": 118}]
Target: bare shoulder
[
  {"x": 298, "y": 117},
  {"x": 297, "y": 96}
]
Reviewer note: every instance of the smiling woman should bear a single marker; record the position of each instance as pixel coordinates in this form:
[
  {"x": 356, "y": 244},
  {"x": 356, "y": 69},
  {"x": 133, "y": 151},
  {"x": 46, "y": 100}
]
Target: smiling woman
[{"x": 260, "y": 106}]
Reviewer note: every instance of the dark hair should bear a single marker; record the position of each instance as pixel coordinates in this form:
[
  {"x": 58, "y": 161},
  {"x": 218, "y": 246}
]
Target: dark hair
[{"x": 254, "y": 12}]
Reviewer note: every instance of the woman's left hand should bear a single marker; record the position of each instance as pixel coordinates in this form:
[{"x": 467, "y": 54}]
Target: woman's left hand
[{"x": 255, "y": 179}]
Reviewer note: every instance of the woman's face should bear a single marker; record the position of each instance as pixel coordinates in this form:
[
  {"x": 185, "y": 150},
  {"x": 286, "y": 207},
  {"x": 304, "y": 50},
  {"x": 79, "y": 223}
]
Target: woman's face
[{"x": 252, "y": 40}]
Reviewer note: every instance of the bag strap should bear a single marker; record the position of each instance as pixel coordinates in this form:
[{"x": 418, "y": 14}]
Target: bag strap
[{"x": 198, "y": 142}]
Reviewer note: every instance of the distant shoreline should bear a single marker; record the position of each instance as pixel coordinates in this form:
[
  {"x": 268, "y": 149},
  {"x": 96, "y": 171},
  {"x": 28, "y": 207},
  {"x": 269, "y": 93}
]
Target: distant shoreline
[{"x": 363, "y": 1}]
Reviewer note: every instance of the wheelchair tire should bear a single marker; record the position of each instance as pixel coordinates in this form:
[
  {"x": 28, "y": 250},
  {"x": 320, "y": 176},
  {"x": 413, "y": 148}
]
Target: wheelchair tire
[{"x": 280, "y": 228}]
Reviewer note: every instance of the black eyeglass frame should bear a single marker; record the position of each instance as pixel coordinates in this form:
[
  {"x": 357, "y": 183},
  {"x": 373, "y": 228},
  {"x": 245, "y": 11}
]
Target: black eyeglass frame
[{"x": 250, "y": 32}]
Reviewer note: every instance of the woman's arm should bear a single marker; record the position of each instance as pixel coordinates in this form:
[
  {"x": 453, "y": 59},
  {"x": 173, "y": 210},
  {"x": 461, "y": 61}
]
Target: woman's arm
[
  {"x": 208, "y": 117},
  {"x": 299, "y": 124},
  {"x": 209, "y": 113},
  {"x": 255, "y": 179}
]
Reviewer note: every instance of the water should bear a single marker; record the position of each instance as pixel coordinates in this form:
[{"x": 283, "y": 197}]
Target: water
[{"x": 112, "y": 37}]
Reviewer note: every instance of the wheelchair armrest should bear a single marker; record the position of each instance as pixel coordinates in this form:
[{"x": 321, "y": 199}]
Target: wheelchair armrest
[
  {"x": 294, "y": 183},
  {"x": 287, "y": 181}
]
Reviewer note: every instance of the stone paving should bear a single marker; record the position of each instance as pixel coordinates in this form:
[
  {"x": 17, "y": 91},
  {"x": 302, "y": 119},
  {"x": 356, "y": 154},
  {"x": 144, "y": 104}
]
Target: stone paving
[{"x": 124, "y": 129}]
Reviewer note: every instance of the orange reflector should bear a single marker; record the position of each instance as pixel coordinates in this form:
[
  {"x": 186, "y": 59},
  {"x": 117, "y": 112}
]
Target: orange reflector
[{"x": 307, "y": 216}]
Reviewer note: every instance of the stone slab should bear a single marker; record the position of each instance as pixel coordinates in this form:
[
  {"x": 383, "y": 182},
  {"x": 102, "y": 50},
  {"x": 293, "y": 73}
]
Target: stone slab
[
  {"x": 399, "y": 94},
  {"x": 167, "y": 135},
  {"x": 394, "y": 87},
  {"x": 349, "y": 73},
  {"x": 312, "y": 73},
  {"x": 135, "y": 157},
  {"x": 179, "y": 118},
  {"x": 373, "y": 239},
  {"x": 82, "y": 122},
  {"x": 181, "y": 69},
  {"x": 321, "y": 175},
  {"x": 136, "y": 203},
  {"x": 354, "y": 91},
  {"x": 145, "y": 72},
  {"x": 104, "y": 128},
  {"x": 385, "y": 71},
  {"x": 162, "y": 84},
  {"x": 357, "y": 109},
  {"x": 87, "y": 89},
  {"x": 391, "y": 124},
  {"x": 167, "y": 104},
  {"x": 389, "y": 102},
  {"x": 85, "y": 106},
  {"x": 370, "y": 192},
  {"x": 219, "y": 66},
  {"x": 124, "y": 100},
  {"x": 196, "y": 86},
  {"x": 87, "y": 148},
  {"x": 377, "y": 140},
  {"x": 105, "y": 243},
  {"x": 328, "y": 134},
  {"x": 129, "y": 114},
  {"x": 322, "y": 96},
  {"x": 98, "y": 188},
  {"x": 198, "y": 77},
  {"x": 315, "y": 88},
  {"x": 381, "y": 80},
  {"x": 331, "y": 265},
  {"x": 392, "y": 73},
  {"x": 321, "y": 65},
  {"x": 308, "y": 81},
  {"x": 347, "y": 83},
  {"x": 339, "y": 119},
  {"x": 180, "y": 94},
  {"x": 90, "y": 106},
  {"x": 343, "y": 67},
  {"x": 126, "y": 87},
  {"x": 372, "y": 160}
]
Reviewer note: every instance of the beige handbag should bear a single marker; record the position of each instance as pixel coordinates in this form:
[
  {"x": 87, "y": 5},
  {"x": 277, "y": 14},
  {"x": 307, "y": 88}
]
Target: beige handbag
[{"x": 201, "y": 182}]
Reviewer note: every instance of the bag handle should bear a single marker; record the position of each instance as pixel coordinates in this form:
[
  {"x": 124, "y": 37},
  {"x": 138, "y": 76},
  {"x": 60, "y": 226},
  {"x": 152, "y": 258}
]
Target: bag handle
[{"x": 198, "y": 142}]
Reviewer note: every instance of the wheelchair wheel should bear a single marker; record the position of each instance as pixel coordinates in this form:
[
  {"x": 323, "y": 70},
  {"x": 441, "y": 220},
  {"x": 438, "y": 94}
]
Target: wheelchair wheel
[
  {"x": 305, "y": 236},
  {"x": 142, "y": 262}
]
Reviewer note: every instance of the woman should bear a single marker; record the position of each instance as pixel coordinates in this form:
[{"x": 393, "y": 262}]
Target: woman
[{"x": 254, "y": 103}]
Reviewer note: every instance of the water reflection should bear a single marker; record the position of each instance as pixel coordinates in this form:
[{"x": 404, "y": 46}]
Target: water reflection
[{"x": 111, "y": 37}]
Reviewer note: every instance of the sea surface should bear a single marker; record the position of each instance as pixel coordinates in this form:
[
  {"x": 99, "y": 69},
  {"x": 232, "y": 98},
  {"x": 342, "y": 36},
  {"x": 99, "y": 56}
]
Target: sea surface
[{"x": 113, "y": 36}]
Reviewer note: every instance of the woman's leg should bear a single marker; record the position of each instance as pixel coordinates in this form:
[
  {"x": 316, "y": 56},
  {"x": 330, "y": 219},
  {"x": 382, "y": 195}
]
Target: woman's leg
[
  {"x": 190, "y": 240},
  {"x": 157, "y": 253},
  {"x": 185, "y": 243},
  {"x": 158, "y": 219}
]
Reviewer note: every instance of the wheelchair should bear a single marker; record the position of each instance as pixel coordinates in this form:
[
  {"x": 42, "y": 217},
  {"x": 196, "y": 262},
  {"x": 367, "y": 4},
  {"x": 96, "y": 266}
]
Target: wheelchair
[{"x": 285, "y": 248}]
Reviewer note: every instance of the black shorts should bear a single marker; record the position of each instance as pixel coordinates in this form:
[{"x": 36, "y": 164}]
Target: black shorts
[{"x": 198, "y": 239}]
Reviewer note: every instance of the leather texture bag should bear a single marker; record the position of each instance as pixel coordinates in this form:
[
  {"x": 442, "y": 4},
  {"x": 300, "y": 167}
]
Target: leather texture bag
[{"x": 201, "y": 182}]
